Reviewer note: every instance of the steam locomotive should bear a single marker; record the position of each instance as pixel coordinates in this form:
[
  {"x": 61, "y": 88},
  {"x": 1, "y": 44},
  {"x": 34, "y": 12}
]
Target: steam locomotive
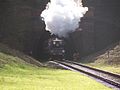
[{"x": 55, "y": 48}]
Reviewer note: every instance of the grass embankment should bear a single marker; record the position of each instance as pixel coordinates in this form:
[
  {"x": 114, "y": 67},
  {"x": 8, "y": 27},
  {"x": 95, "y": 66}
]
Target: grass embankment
[
  {"x": 109, "y": 60},
  {"x": 107, "y": 67},
  {"x": 16, "y": 74}
]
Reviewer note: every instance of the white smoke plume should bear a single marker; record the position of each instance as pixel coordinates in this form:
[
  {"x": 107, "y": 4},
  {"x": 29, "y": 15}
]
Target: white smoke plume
[{"x": 63, "y": 16}]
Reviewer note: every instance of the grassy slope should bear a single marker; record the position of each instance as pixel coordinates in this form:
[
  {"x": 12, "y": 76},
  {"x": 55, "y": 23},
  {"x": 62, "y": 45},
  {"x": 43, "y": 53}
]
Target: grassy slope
[
  {"x": 16, "y": 74},
  {"x": 110, "y": 63},
  {"x": 12, "y": 52}
]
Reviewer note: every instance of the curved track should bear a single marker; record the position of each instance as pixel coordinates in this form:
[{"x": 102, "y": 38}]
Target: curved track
[{"x": 107, "y": 77}]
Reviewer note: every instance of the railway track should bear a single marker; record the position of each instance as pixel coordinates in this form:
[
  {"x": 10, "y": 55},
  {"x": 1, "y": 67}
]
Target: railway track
[{"x": 110, "y": 79}]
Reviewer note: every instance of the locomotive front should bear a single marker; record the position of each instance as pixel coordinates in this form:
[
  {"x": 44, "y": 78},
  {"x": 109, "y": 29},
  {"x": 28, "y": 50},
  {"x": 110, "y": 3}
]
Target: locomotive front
[{"x": 56, "y": 48}]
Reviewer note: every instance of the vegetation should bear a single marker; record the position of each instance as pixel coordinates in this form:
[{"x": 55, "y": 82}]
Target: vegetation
[
  {"x": 113, "y": 68},
  {"x": 109, "y": 61},
  {"x": 16, "y": 74}
]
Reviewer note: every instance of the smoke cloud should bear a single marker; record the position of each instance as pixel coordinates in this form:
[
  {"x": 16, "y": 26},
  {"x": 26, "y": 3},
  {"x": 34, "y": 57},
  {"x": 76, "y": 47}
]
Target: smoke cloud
[{"x": 63, "y": 16}]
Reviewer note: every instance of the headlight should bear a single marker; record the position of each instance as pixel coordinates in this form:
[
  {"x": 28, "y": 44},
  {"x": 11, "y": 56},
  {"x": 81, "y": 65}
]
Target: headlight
[{"x": 63, "y": 51}]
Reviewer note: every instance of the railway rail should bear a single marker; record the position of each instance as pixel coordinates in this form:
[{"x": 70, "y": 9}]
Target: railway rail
[{"x": 107, "y": 77}]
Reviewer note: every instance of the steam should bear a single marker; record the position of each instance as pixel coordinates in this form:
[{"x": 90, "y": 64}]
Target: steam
[{"x": 63, "y": 16}]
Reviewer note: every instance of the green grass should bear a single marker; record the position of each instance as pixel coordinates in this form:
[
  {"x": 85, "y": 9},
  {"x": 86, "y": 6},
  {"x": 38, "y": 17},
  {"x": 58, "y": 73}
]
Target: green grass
[
  {"x": 114, "y": 69},
  {"x": 109, "y": 64},
  {"x": 111, "y": 68},
  {"x": 102, "y": 61},
  {"x": 15, "y": 74}
]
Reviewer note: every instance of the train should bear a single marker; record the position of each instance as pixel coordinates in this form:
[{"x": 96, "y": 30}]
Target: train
[{"x": 56, "y": 48}]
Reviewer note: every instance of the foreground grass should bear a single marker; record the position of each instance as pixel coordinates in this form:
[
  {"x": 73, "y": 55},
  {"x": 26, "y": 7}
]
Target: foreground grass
[{"x": 18, "y": 75}]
